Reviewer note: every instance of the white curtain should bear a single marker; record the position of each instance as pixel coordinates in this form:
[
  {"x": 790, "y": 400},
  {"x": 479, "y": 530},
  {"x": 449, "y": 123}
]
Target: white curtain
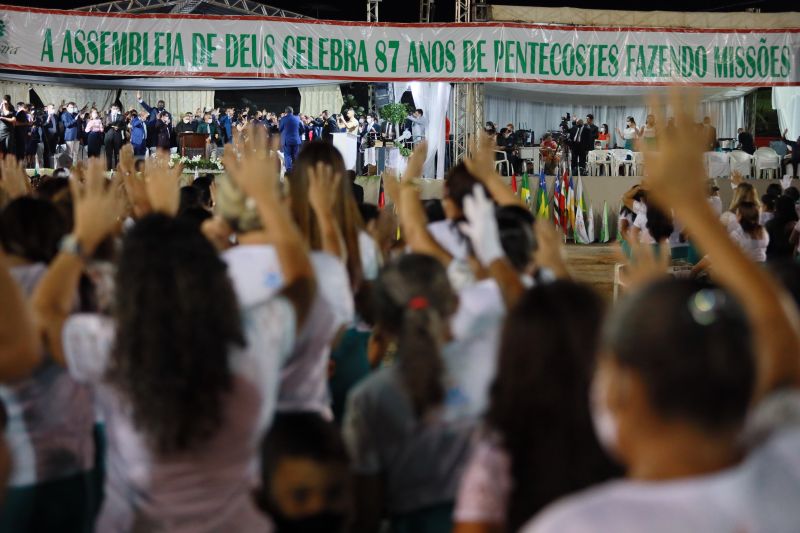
[
  {"x": 432, "y": 98},
  {"x": 316, "y": 99},
  {"x": 726, "y": 115},
  {"x": 55, "y": 94},
  {"x": 176, "y": 102},
  {"x": 786, "y": 100}
]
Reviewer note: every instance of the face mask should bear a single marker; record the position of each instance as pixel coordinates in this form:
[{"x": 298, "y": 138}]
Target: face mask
[
  {"x": 370, "y": 121},
  {"x": 71, "y": 109},
  {"x": 602, "y": 130},
  {"x": 160, "y": 107},
  {"x": 325, "y": 522},
  {"x": 605, "y": 425},
  {"x": 186, "y": 120}
]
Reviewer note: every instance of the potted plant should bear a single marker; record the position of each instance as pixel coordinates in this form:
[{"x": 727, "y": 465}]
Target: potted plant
[{"x": 395, "y": 114}]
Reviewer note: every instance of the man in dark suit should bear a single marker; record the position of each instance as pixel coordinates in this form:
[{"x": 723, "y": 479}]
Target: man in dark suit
[
  {"x": 580, "y": 139},
  {"x": 746, "y": 143},
  {"x": 114, "y": 126},
  {"x": 50, "y": 133},
  {"x": 593, "y": 129},
  {"x": 290, "y": 129}
]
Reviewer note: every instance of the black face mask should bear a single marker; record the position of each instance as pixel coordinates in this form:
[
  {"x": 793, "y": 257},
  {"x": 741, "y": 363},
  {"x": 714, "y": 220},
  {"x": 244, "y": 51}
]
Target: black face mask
[{"x": 325, "y": 522}]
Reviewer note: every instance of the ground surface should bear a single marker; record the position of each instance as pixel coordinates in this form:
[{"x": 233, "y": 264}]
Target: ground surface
[{"x": 594, "y": 264}]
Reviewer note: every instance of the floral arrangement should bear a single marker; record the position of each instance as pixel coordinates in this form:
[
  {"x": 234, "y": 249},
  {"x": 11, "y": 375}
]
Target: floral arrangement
[{"x": 196, "y": 162}]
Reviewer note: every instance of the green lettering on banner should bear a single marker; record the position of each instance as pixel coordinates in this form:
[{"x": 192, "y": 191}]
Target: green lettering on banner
[
  {"x": 299, "y": 53},
  {"x": 91, "y": 47},
  {"x": 210, "y": 49},
  {"x": 468, "y": 56},
  {"x": 134, "y": 49},
  {"x": 630, "y": 59},
  {"x": 425, "y": 57},
  {"x": 119, "y": 49},
  {"x": 243, "y": 49},
  {"x": 534, "y": 65},
  {"x": 450, "y": 55},
  {"x": 231, "y": 50},
  {"x": 146, "y": 50},
  {"x": 47, "y": 46},
  {"x": 80, "y": 47},
  {"x": 555, "y": 57},
  {"x": 66, "y": 47},
  {"x": 613, "y": 57},
  {"x": 521, "y": 52},
  {"x": 104, "y": 48},
  {"x": 380, "y": 56},
  {"x": 499, "y": 54},
  {"x": 269, "y": 49},
  {"x": 362, "y": 56},
  {"x": 158, "y": 48},
  {"x": 601, "y": 60},
  {"x": 177, "y": 51},
  {"x": 481, "y": 56},
  {"x": 543, "y": 59},
  {"x": 349, "y": 55},
  {"x": 580, "y": 60},
  {"x": 336, "y": 55},
  {"x": 198, "y": 50},
  {"x": 322, "y": 52},
  {"x": 412, "y": 65},
  {"x": 786, "y": 65}
]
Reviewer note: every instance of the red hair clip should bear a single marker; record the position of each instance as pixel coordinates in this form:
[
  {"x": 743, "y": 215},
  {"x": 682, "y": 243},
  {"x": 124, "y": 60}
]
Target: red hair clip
[{"x": 418, "y": 303}]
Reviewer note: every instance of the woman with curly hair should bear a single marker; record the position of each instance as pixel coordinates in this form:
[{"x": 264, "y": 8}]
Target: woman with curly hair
[{"x": 186, "y": 381}]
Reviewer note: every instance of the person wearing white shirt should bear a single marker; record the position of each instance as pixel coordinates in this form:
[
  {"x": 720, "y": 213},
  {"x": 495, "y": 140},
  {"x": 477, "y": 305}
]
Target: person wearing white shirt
[
  {"x": 419, "y": 124},
  {"x": 629, "y": 134}
]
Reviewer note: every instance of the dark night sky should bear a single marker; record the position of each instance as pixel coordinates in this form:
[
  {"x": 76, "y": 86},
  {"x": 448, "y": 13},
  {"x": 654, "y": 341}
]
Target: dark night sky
[{"x": 408, "y": 11}]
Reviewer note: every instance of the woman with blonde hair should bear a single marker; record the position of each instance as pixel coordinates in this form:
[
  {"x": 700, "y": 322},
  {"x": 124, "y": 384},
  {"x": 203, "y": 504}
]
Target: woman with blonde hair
[{"x": 744, "y": 192}]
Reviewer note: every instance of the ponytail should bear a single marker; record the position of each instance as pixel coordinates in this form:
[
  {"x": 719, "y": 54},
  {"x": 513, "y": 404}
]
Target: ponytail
[
  {"x": 420, "y": 361},
  {"x": 413, "y": 301}
]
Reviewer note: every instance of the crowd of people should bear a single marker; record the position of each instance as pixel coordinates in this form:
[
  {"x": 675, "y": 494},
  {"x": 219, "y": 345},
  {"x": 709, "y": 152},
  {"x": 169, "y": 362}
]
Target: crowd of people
[
  {"x": 59, "y": 136},
  {"x": 255, "y": 353}
]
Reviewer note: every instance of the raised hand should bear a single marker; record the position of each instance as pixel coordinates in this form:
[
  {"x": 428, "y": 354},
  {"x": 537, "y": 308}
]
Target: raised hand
[
  {"x": 322, "y": 188},
  {"x": 481, "y": 227},
  {"x": 550, "y": 249},
  {"x": 255, "y": 168},
  {"x": 134, "y": 186},
  {"x": 138, "y": 95},
  {"x": 13, "y": 179},
  {"x": 161, "y": 184},
  {"x": 97, "y": 207},
  {"x": 736, "y": 178},
  {"x": 481, "y": 159},
  {"x": 416, "y": 161},
  {"x": 645, "y": 266}
]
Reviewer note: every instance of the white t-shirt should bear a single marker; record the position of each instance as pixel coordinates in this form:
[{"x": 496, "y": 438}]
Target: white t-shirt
[
  {"x": 716, "y": 204},
  {"x": 756, "y": 249},
  {"x": 759, "y": 495},
  {"x": 257, "y": 277},
  {"x": 730, "y": 221},
  {"x": 208, "y": 488},
  {"x": 644, "y": 233},
  {"x": 370, "y": 256},
  {"x": 629, "y": 133},
  {"x": 447, "y": 235}
]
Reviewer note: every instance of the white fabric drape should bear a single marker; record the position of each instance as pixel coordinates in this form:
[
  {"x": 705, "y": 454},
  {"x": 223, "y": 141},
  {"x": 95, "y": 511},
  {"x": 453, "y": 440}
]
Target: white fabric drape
[
  {"x": 786, "y": 101},
  {"x": 315, "y": 100},
  {"x": 176, "y": 102},
  {"x": 726, "y": 115},
  {"x": 432, "y": 98},
  {"x": 55, "y": 94}
]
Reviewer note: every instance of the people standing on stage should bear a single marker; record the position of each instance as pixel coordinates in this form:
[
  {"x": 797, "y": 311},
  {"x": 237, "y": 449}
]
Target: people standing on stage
[
  {"x": 369, "y": 132},
  {"x": 746, "y": 143},
  {"x": 153, "y": 111},
  {"x": 208, "y": 127},
  {"x": 419, "y": 124},
  {"x": 186, "y": 125},
  {"x": 226, "y": 125},
  {"x": 50, "y": 135},
  {"x": 138, "y": 134},
  {"x": 507, "y": 144},
  {"x": 165, "y": 133},
  {"x": 581, "y": 141},
  {"x": 114, "y": 128},
  {"x": 69, "y": 118},
  {"x": 7, "y": 138},
  {"x": 592, "y": 127},
  {"x": 350, "y": 124},
  {"x": 94, "y": 134},
  {"x": 290, "y": 129},
  {"x": 649, "y": 132},
  {"x": 710, "y": 135},
  {"x": 630, "y": 134},
  {"x": 21, "y": 129}
]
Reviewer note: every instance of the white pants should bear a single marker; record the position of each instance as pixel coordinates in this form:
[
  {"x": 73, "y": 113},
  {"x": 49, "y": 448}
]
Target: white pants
[{"x": 74, "y": 148}]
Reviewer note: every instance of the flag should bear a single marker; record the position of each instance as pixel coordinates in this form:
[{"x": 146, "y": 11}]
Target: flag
[
  {"x": 514, "y": 182},
  {"x": 36, "y": 168},
  {"x": 381, "y": 197},
  {"x": 557, "y": 202},
  {"x": 604, "y": 229},
  {"x": 579, "y": 210},
  {"x": 542, "y": 202},
  {"x": 525, "y": 190},
  {"x": 571, "y": 204},
  {"x": 562, "y": 203},
  {"x": 590, "y": 224}
]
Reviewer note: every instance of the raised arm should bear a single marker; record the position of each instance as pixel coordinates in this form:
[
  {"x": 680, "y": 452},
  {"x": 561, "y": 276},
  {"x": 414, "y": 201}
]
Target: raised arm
[
  {"x": 323, "y": 184},
  {"x": 480, "y": 164},
  {"x": 96, "y": 212},
  {"x": 255, "y": 172},
  {"x": 772, "y": 314},
  {"x": 20, "y": 351}
]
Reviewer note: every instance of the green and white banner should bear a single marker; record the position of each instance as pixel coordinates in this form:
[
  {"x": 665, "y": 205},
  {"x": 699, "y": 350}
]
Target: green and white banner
[{"x": 35, "y": 40}]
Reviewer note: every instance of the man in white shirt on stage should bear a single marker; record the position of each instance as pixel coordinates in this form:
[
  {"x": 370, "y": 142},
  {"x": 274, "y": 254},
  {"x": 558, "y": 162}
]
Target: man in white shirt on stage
[{"x": 418, "y": 125}]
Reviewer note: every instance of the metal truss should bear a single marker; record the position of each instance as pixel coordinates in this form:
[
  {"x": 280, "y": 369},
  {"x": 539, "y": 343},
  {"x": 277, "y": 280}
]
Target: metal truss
[
  {"x": 426, "y": 9},
  {"x": 467, "y": 114},
  {"x": 372, "y": 10},
  {"x": 243, "y": 7}
]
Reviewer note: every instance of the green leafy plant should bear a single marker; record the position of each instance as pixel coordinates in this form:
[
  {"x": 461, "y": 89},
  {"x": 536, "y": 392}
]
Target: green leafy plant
[
  {"x": 394, "y": 113},
  {"x": 405, "y": 152},
  {"x": 350, "y": 101}
]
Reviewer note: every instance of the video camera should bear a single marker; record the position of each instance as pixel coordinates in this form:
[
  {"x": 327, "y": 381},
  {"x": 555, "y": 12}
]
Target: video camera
[{"x": 566, "y": 122}]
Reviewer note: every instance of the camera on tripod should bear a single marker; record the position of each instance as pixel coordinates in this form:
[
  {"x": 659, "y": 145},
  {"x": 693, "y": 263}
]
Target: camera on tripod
[{"x": 565, "y": 123}]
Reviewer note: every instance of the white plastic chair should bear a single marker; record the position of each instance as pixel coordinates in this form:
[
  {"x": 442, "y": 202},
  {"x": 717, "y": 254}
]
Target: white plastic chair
[
  {"x": 717, "y": 164},
  {"x": 621, "y": 158},
  {"x": 741, "y": 162},
  {"x": 767, "y": 160},
  {"x": 502, "y": 163},
  {"x": 598, "y": 160},
  {"x": 530, "y": 154}
]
